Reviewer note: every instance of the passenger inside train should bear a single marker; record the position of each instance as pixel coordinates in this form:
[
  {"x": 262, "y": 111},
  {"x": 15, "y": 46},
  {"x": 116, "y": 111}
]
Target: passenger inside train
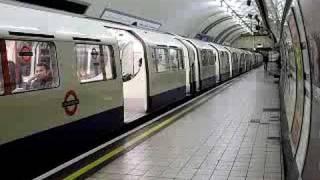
[
  {"x": 42, "y": 78},
  {"x": 32, "y": 65}
]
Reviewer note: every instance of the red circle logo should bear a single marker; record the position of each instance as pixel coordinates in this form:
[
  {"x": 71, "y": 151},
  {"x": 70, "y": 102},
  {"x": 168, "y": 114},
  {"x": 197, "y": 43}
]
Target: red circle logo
[
  {"x": 70, "y": 103},
  {"x": 26, "y": 54}
]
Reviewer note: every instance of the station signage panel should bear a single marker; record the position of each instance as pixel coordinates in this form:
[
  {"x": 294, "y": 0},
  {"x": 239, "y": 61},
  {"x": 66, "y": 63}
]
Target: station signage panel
[{"x": 117, "y": 16}]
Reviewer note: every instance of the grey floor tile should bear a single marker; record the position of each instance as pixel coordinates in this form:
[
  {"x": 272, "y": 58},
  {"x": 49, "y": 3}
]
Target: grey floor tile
[
  {"x": 201, "y": 177},
  {"x": 217, "y": 177},
  {"x": 221, "y": 173},
  {"x": 236, "y": 178},
  {"x": 238, "y": 173},
  {"x": 154, "y": 178}
]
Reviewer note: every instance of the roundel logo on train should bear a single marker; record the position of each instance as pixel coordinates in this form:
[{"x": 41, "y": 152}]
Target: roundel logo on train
[
  {"x": 26, "y": 54},
  {"x": 70, "y": 103}
]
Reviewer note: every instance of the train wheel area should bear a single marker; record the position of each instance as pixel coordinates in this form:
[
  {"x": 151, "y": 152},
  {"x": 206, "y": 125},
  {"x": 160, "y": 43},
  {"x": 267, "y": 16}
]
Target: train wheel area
[{"x": 215, "y": 136}]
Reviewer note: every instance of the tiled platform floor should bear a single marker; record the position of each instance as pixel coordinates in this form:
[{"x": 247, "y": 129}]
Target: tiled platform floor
[{"x": 234, "y": 135}]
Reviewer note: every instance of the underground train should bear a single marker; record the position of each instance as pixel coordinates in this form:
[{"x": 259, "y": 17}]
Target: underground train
[{"x": 67, "y": 83}]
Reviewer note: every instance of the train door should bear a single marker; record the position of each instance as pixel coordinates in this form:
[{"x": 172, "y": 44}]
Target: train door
[
  {"x": 134, "y": 75},
  {"x": 229, "y": 60},
  {"x": 195, "y": 66},
  {"x": 217, "y": 64},
  {"x": 242, "y": 63},
  {"x": 190, "y": 70},
  {"x": 235, "y": 64},
  {"x": 247, "y": 60}
]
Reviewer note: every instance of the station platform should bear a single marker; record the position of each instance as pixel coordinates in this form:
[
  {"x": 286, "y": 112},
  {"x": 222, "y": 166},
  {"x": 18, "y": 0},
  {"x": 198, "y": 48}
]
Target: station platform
[{"x": 232, "y": 134}]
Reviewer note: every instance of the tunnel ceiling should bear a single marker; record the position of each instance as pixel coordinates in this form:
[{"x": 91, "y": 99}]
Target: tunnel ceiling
[
  {"x": 187, "y": 17},
  {"x": 219, "y": 19}
]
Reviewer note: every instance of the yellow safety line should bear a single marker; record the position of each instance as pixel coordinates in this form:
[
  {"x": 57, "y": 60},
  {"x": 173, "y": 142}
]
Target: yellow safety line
[{"x": 123, "y": 147}]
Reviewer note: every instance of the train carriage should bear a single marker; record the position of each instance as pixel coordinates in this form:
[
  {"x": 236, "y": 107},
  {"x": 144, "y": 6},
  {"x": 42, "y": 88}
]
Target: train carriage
[
  {"x": 207, "y": 56},
  {"x": 235, "y": 57},
  {"x": 225, "y": 63},
  {"x": 166, "y": 68},
  {"x": 62, "y": 86},
  {"x": 192, "y": 66}
]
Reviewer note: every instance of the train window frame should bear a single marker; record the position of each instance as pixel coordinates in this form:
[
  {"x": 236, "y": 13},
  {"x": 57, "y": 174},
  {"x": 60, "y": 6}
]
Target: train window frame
[
  {"x": 110, "y": 56},
  {"x": 55, "y": 83}
]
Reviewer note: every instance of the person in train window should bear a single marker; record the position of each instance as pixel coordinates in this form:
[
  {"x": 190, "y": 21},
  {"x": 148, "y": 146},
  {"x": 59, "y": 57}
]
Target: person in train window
[{"x": 42, "y": 78}]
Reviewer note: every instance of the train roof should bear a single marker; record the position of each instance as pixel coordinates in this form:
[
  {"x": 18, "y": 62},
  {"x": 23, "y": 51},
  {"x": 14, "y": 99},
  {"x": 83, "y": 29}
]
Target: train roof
[
  {"x": 201, "y": 44},
  {"x": 219, "y": 47},
  {"x": 157, "y": 38},
  {"x": 36, "y": 22}
]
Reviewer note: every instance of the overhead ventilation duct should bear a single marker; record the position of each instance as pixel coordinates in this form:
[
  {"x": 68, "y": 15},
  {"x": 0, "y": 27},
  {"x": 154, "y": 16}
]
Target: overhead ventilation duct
[{"x": 64, "y": 5}]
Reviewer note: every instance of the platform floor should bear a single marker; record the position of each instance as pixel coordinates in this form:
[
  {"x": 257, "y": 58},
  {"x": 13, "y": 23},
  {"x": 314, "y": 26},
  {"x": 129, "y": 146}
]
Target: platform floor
[{"x": 234, "y": 135}]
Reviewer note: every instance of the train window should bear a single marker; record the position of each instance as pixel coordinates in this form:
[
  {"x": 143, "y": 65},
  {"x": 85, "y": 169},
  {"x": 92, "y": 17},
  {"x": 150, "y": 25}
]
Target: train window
[
  {"x": 174, "y": 59},
  {"x": 227, "y": 57},
  {"x": 242, "y": 59},
  {"x": 32, "y": 65},
  {"x": 180, "y": 58},
  {"x": 94, "y": 63},
  {"x": 204, "y": 57},
  {"x": 131, "y": 59},
  {"x": 235, "y": 58},
  {"x": 162, "y": 62},
  {"x": 222, "y": 56},
  {"x": 211, "y": 57}
]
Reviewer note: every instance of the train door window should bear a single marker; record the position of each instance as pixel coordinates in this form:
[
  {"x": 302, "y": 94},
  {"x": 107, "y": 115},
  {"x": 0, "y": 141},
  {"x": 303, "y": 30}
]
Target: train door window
[
  {"x": 109, "y": 64},
  {"x": 174, "y": 59},
  {"x": 235, "y": 58},
  {"x": 131, "y": 59},
  {"x": 221, "y": 56},
  {"x": 94, "y": 63},
  {"x": 211, "y": 57},
  {"x": 162, "y": 62},
  {"x": 227, "y": 57},
  {"x": 180, "y": 59},
  {"x": 204, "y": 57},
  {"x": 214, "y": 58},
  {"x": 32, "y": 65}
]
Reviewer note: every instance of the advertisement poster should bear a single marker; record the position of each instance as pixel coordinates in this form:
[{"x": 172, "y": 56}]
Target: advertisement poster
[{"x": 298, "y": 113}]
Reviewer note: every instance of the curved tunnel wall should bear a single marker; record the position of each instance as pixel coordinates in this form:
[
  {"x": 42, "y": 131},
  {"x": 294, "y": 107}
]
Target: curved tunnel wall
[{"x": 300, "y": 87}]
